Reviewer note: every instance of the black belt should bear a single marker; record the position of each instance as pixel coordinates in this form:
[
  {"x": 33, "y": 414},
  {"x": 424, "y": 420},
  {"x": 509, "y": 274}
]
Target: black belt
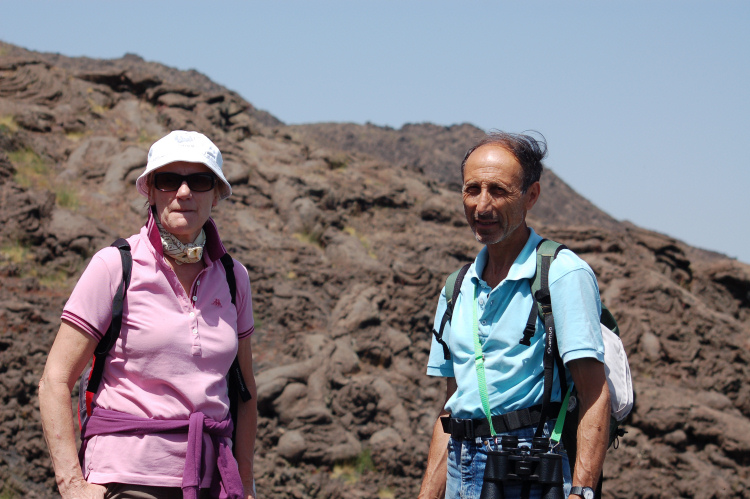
[{"x": 469, "y": 429}]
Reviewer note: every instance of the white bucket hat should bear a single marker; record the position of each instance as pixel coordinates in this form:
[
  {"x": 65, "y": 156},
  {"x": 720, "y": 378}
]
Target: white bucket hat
[{"x": 192, "y": 147}]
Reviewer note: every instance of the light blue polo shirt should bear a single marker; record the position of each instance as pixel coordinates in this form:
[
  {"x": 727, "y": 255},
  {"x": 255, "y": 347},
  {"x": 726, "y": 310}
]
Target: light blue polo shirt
[{"x": 514, "y": 372}]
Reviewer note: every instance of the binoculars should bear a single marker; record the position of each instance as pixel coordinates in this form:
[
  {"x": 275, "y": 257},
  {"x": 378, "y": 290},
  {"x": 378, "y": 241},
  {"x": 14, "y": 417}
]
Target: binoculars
[{"x": 523, "y": 466}]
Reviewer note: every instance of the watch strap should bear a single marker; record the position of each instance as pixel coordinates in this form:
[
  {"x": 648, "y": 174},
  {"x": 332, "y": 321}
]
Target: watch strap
[{"x": 585, "y": 492}]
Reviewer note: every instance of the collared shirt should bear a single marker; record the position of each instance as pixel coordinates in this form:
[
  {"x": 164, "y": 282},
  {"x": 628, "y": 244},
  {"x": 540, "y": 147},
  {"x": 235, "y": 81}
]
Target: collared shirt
[
  {"x": 172, "y": 355},
  {"x": 514, "y": 372}
]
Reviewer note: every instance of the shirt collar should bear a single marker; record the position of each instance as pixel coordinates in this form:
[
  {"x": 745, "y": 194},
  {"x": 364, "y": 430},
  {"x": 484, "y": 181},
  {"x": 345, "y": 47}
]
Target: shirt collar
[{"x": 524, "y": 266}]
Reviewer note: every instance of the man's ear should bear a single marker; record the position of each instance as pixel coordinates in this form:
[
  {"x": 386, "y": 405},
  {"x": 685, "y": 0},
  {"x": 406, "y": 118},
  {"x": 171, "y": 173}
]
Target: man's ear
[{"x": 532, "y": 195}]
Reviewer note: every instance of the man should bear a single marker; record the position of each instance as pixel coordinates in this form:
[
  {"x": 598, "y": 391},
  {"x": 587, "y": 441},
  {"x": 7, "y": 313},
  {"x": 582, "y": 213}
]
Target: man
[{"x": 500, "y": 185}]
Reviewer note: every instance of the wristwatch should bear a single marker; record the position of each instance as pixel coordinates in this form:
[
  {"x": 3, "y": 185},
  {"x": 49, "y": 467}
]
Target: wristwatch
[{"x": 585, "y": 492}]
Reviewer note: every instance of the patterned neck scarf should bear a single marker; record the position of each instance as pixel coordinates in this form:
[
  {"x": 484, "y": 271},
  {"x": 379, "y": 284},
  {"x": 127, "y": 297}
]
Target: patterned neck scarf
[{"x": 180, "y": 252}]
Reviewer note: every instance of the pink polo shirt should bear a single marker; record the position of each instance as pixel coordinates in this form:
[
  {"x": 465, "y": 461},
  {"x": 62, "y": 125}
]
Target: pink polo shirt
[{"x": 171, "y": 358}]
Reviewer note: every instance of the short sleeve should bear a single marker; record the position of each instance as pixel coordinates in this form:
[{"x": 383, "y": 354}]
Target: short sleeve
[
  {"x": 90, "y": 304},
  {"x": 577, "y": 307}
]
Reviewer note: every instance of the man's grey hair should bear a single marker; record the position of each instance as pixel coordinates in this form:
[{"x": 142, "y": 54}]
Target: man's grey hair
[{"x": 528, "y": 150}]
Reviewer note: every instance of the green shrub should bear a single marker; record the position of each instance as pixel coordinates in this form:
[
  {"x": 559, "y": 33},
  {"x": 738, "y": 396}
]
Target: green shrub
[
  {"x": 8, "y": 124},
  {"x": 16, "y": 252},
  {"x": 337, "y": 161},
  {"x": 67, "y": 197},
  {"x": 364, "y": 462},
  {"x": 351, "y": 471},
  {"x": 75, "y": 136},
  {"x": 312, "y": 238},
  {"x": 31, "y": 169}
]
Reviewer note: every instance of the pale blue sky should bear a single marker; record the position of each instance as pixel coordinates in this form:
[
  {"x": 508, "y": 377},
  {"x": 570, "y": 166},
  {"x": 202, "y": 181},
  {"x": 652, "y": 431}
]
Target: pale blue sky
[{"x": 645, "y": 105}]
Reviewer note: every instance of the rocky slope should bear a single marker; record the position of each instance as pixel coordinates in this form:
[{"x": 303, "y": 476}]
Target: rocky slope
[{"x": 348, "y": 232}]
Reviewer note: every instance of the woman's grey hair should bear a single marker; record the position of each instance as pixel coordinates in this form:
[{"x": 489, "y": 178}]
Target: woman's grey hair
[{"x": 528, "y": 150}]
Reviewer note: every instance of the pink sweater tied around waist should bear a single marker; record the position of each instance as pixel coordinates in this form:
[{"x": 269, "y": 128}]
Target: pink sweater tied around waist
[{"x": 103, "y": 422}]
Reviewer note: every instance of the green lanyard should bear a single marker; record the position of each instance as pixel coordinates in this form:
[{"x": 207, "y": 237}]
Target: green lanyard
[
  {"x": 554, "y": 439},
  {"x": 479, "y": 363}
]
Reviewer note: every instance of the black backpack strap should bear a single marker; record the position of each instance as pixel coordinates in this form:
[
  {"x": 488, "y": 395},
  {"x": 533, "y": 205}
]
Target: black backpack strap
[
  {"x": 226, "y": 260},
  {"x": 452, "y": 290},
  {"x": 530, "y": 329},
  {"x": 235, "y": 380},
  {"x": 118, "y": 303},
  {"x": 547, "y": 251}
]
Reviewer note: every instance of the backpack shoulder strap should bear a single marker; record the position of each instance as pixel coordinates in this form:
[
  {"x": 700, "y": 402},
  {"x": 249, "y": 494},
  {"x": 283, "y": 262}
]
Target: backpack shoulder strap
[
  {"x": 609, "y": 320},
  {"x": 550, "y": 249},
  {"x": 235, "y": 379},
  {"x": 546, "y": 252},
  {"x": 545, "y": 248},
  {"x": 226, "y": 260},
  {"x": 235, "y": 373},
  {"x": 453, "y": 286},
  {"x": 110, "y": 337},
  {"x": 452, "y": 290}
]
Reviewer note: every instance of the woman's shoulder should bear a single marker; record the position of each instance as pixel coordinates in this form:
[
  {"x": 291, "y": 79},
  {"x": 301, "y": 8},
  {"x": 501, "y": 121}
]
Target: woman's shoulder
[
  {"x": 107, "y": 254},
  {"x": 107, "y": 259},
  {"x": 110, "y": 256},
  {"x": 242, "y": 276},
  {"x": 239, "y": 266}
]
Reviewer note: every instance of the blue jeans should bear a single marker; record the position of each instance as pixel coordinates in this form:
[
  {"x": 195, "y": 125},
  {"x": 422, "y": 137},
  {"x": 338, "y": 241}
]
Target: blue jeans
[{"x": 466, "y": 460}]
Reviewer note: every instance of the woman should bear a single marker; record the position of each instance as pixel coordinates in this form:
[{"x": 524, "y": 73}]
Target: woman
[{"x": 180, "y": 333}]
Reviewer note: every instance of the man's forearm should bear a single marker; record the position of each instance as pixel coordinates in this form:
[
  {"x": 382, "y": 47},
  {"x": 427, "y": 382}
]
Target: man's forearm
[
  {"x": 593, "y": 426},
  {"x": 433, "y": 482},
  {"x": 436, "y": 472},
  {"x": 593, "y": 437}
]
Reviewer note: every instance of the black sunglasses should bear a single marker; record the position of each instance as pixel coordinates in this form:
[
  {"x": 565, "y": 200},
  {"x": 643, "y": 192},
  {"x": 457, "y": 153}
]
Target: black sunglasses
[{"x": 197, "y": 182}]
